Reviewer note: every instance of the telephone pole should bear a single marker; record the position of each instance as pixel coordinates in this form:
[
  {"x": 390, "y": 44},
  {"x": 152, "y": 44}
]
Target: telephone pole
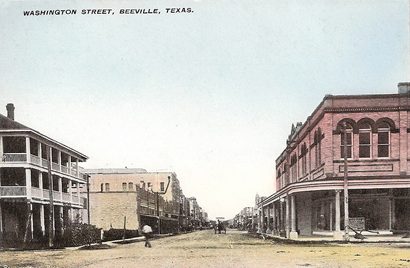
[
  {"x": 51, "y": 205},
  {"x": 345, "y": 183}
]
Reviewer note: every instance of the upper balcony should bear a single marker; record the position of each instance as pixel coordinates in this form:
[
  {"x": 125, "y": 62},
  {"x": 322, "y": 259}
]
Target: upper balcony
[
  {"x": 42, "y": 194},
  {"x": 33, "y": 184},
  {"x": 17, "y": 150}
]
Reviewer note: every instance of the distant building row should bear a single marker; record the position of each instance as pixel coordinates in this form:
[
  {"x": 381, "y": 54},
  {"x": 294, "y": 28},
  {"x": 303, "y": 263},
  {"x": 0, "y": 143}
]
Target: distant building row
[{"x": 135, "y": 197}]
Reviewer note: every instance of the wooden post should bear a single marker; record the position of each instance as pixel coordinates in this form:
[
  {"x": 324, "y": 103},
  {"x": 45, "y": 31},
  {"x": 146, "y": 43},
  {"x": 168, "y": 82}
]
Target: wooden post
[
  {"x": 125, "y": 227},
  {"x": 28, "y": 223}
]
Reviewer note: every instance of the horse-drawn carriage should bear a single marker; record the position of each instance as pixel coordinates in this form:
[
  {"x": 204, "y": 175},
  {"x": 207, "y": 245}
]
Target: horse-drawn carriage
[{"x": 220, "y": 227}]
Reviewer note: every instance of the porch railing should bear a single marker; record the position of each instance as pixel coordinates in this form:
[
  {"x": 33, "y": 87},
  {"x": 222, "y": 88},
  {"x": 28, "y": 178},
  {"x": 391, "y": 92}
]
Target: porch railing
[
  {"x": 84, "y": 202},
  {"x": 12, "y": 191},
  {"x": 74, "y": 172},
  {"x": 36, "y": 192},
  {"x": 44, "y": 162},
  {"x": 35, "y": 159},
  {"x": 64, "y": 169},
  {"x": 76, "y": 199},
  {"x": 22, "y": 157},
  {"x": 66, "y": 197},
  {"x": 55, "y": 166},
  {"x": 14, "y": 157}
]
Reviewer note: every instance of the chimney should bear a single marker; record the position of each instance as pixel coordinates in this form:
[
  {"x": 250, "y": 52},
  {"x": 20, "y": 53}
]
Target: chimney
[
  {"x": 404, "y": 87},
  {"x": 10, "y": 111}
]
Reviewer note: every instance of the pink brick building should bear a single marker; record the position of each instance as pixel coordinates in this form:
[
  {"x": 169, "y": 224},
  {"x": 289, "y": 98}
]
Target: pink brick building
[{"x": 310, "y": 170}]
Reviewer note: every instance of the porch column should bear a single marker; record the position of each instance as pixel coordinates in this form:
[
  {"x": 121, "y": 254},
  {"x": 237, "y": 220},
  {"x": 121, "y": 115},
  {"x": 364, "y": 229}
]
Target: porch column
[
  {"x": 71, "y": 214},
  {"x": 59, "y": 160},
  {"x": 1, "y": 148},
  {"x": 282, "y": 218},
  {"x": 70, "y": 190},
  {"x": 331, "y": 215},
  {"x": 76, "y": 166},
  {"x": 253, "y": 219},
  {"x": 69, "y": 164},
  {"x": 30, "y": 207},
  {"x": 39, "y": 152},
  {"x": 293, "y": 234},
  {"x": 263, "y": 220},
  {"x": 392, "y": 213},
  {"x": 61, "y": 218},
  {"x": 268, "y": 230},
  {"x": 287, "y": 217},
  {"x": 28, "y": 183},
  {"x": 78, "y": 193},
  {"x": 337, "y": 234},
  {"x": 40, "y": 183},
  {"x": 54, "y": 222},
  {"x": 1, "y": 222},
  {"x": 60, "y": 187},
  {"x": 28, "y": 149},
  {"x": 259, "y": 220},
  {"x": 42, "y": 220},
  {"x": 273, "y": 219}
]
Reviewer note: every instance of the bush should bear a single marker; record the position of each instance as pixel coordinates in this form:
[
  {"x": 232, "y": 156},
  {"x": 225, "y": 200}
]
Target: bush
[
  {"x": 78, "y": 234},
  {"x": 116, "y": 234}
]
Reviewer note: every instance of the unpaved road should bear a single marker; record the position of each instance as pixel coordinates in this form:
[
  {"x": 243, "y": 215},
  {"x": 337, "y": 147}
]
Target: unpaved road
[{"x": 205, "y": 249}]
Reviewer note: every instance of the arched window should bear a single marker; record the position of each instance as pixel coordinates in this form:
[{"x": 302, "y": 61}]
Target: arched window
[
  {"x": 383, "y": 140},
  {"x": 349, "y": 141},
  {"x": 130, "y": 186},
  {"x": 303, "y": 154},
  {"x": 293, "y": 170},
  {"x": 107, "y": 187},
  {"x": 285, "y": 179},
  {"x": 319, "y": 148},
  {"x": 365, "y": 140}
]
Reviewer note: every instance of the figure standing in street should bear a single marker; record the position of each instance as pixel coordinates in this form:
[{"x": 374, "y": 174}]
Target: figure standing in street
[{"x": 147, "y": 231}]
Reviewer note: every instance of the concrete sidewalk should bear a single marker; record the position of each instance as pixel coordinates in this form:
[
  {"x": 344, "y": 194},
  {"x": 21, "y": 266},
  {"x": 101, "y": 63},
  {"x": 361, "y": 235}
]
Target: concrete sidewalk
[
  {"x": 329, "y": 239},
  {"x": 123, "y": 241}
]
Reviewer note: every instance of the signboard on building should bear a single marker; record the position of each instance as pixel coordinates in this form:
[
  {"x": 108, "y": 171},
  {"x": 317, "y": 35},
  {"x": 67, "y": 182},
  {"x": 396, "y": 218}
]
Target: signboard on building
[{"x": 358, "y": 223}]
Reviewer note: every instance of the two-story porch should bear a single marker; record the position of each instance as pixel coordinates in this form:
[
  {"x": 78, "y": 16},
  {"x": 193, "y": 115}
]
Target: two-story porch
[
  {"x": 29, "y": 181},
  {"x": 379, "y": 205}
]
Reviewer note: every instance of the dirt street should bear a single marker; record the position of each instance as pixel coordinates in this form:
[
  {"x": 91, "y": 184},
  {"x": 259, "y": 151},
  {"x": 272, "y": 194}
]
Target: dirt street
[{"x": 205, "y": 249}]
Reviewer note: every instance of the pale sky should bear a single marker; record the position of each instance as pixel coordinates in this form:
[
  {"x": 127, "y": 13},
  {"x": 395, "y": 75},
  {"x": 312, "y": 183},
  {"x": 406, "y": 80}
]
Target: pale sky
[{"x": 210, "y": 95}]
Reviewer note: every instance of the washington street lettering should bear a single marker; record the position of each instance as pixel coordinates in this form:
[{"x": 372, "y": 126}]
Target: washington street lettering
[
  {"x": 50, "y": 12},
  {"x": 108, "y": 11}
]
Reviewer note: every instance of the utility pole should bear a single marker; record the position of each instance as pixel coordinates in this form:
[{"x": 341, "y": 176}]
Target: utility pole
[
  {"x": 88, "y": 199},
  {"x": 157, "y": 195},
  {"x": 159, "y": 220},
  {"x": 345, "y": 183},
  {"x": 51, "y": 204}
]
